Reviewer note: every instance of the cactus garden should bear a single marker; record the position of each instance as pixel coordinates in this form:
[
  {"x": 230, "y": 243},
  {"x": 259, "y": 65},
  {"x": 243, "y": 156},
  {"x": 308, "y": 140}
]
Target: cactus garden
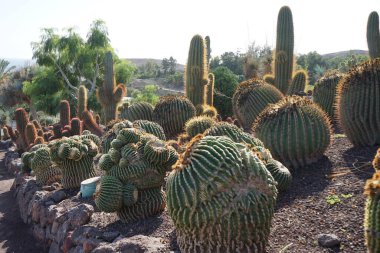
[{"x": 262, "y": 151}]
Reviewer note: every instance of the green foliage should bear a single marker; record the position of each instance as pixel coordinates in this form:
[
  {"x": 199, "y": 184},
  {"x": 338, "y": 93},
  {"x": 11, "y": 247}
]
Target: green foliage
[
  {"x": 148, "y": 94},
  {"x": 149, "y": 70},
  {"x": 332, "y": 199},
  {"x": 5, "y": 70},
  {"x": 175, "y": 80},
  {"x": 125, "y": 71}
]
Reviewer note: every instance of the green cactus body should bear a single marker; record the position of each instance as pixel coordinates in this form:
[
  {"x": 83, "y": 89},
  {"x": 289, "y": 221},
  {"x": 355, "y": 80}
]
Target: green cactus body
[
  {"x": 269, "y": 79},
  {"x": 198, "y": 125},
  {"x": 172, "y": 112},
  {"x": 283, "y": 67},
  {"x": 64, "y": 113},
  {"x": 210, "y": 89},
  {"x": 90, "y": 123},
  {"x": 110, "y": 94},
  {"x": 324, "y": 93},
  {"x": 196, "y": 78},
  {"x": 296, "y": 131},
  {"x": 226, "y": 198},
  {"x": 358, "y": 100},
  {"x": 110, "y": 194},
  {"x": 208, "y": 54},
  {"x": 22, "y": 119},
  {"x": 75, "y": 157},
  {"x": 151, "y": 128},
  {"x": 371, "y": 214},
  {"x": 110, "y": 135},
  {"x": 137, "y": 111},
  {"x": 76, "y": 126},
  {"x": 280, "y": 173},
  {"x": 373, "y": 35},
  {"x": 82, "y": 100},
  {"x": 251, "y": 98},
  {"x": 298, "y": 83}
]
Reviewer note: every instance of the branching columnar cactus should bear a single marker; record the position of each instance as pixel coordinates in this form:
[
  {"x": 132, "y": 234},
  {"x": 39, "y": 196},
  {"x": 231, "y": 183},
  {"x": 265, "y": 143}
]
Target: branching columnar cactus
[
  {"x": 371, "y": 214},
  {"x": 64, "y": 113},
  {"x": 210, "y": 89},
  {"x": 227, "y": 197},
  {"x": 373, "y": 35},
  {"x": 298, "y": 83},
  {"x": 90, "y": 123},
  {"x": 39, "y": 161},
  {"x": 22, "y": 119},
  {"x": 136, "y": 111},
  {"x": 251, "y": 98},
  {"x": 172, "y": 112},
  {"x": 82, "y": 100},
  {"x": 198, "y": 125},
  {"x": 74, "y": 156},
  {"x": 196, "y": 72},
  {"x": 295, "y": 130},
  {"x": 324, "y": 93},
  {"x": 109, "y": 95},
  {"x": 358, "y": 104},
  {"x": 135, "y": 167}
]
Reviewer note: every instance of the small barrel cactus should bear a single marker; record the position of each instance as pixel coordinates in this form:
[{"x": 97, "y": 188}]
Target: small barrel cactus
[
  {"x": 172, "y": 112},
  {"x": 280, "y": 173},
  {"x": 371, "y": 214},
  {"x": 74, "y": 156},
  {"x": 358, "y": 104},
  {"x": 251, "y": 98},
  {"x": 151, "y": 128},
  {"x": 198, "y": 125},
  {"x": 227, "y": 197},
  {"x": 298, "y": 84},
  {"x": 136, "y": 111},
  {"x": 295, "y": 130}
]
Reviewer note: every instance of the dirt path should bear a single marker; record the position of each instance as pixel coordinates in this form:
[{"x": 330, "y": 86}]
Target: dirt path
[{"x": 15, "y": 235}]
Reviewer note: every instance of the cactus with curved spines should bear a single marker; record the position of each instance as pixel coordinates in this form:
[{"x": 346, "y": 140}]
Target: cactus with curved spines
[
  {"x": 371, "y": 214},
  {"x": 82, "y": 100},
  {"x": 376, "y": 160},
  {"x": 324, "y": 93},
  {"x": 373, "y": 35},
  {"x": 30, "y": 134},
  {"x": 172, "y": 112},
  {"x": 269, "y": 79},
  {"x": 210, "y": 89},
  {"x": 110, "y": 135},
  {"x": 151, "y": 128},
  {"x": 227, "y": 197},
  {"x": 251, "y": 98},
  {"x": 90, "y": 123},
  {"x": 137, "y": 111},
  {"x": 6, "y": 135},
  {"x": 198, "y": 125},
  {"x": 110, "y": 94},
  {"x": 280, "y": 173},
  {"x": 298, "y": 83},
  {"x": 295, "y": 130},
  {"x": 196, "y": 72},
  {"x": 138, "y": 161},
  {"x": 64, "y": 113},
  {"x": 22, "y": 119},
  {"x": 74, "y": 156},
  {"x": 358, "y": 100}
]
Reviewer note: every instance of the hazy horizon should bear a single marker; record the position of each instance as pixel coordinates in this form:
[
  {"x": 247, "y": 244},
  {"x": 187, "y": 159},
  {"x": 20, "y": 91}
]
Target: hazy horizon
[{"x": 159, "y": 29}]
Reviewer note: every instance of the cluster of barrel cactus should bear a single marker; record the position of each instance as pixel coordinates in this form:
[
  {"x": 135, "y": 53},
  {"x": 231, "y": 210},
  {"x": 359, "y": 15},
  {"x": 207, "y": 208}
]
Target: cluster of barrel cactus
[{"x": 135, "y": 167}]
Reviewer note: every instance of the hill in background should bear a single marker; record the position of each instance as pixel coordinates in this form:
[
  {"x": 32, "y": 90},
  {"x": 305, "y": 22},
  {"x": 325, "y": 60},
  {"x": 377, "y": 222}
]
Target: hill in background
[
  {"x": 345, "y": 53},
  {"x": 141, "y": 61}
]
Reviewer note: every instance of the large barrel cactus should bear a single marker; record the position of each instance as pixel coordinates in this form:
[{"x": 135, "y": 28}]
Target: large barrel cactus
[
  {"x": 135, "y": 167},
  {"x": 373, "y": 35},
  {"x": 198, "y": 125},
  {"x": 358, "y": 104},
  {"x": 220, "y": 197},
  {"x": 324, "y": 93},
  {"x": 295, "y": 130},
  {"x": 172, "y": 112},
  {"x": 136, "y": 111},
  {"x": 251, "y": 98},
  {"x": 371, "y": 214},
  {"x": 74, "y": 156}
]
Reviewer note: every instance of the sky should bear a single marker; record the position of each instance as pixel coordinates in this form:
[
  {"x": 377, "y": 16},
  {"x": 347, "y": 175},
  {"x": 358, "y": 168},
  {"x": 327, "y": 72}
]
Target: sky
[{"x": 163, "y": 28}]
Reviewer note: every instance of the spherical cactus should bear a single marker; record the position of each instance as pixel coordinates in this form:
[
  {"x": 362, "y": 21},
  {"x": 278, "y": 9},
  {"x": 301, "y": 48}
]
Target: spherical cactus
[
  {"x": 22, "y": 119},
  {"x": 137, "y": 111},
  {"x": 280, "y": 173},
  {"x": 109, "y": 196},
  {"x": 298, "y": 84},
  {"x": 75, "y": 157},
  {"x": 227, "y": 197},
  {"x": 64, "y": 113},
  {"x": 296, "y": 131},
  {"x": 251, "y": 98},
  {"x": 151, "y": 128},
  {"x": 172, "y": 112},
  {"x": 358, "y": 100},
  {"x": 371, "y": 214},
  {"x": 324, "y": 93},
  {"x": 198, "y": 125}
]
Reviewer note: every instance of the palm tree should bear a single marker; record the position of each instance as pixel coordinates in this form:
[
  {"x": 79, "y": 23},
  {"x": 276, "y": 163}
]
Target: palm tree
[{"x": 5, "y": 70}]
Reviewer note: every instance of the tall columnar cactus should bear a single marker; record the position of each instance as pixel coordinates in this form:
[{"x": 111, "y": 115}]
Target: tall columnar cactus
[
  {"x": 324, "y": 93},
  {"x": 298, "y": 83},
  {"x": 283, "y": 64},
  {"x": 172, "y": 112},
  {"x": 208, "y": 53},
  {"x": 110, "y": 94},
  {"x": 358, "y": 104},
  {"x": 74, "y": 156},
  {"x": 64, "y": 113},
  {"x": 373, "y": 35},
  {"x": 76, "y": 126},
  {"x": 295, "y": 130},
  {"x": 371, "y": 214},
  {"x": 196, "y": 78},
  {"x": 22, "y": 119},
  {"x": 82, "y": 100},
  {"x": 30, "y": 134},
  {"x": 90, "y": 123},
  {"x": 136, "y": 111},
  {"x": 135, "y": 167},
  {"x": 251, "y": 98},
  {"x": 227, "y": 197},
  {"x": 210, "y": 89}
]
